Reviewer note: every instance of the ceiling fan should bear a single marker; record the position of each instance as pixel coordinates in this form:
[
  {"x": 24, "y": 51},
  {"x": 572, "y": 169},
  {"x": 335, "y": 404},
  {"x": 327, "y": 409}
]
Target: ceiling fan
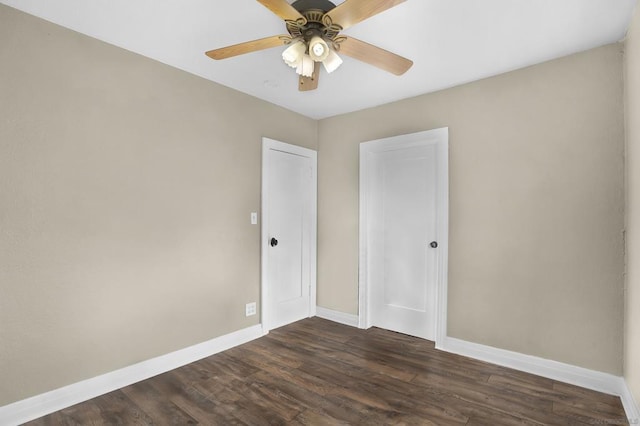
[{"x": 314, "y": 37}]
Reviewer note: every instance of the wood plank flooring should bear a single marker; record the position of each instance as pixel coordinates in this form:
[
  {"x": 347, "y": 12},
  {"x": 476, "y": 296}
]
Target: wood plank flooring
[{"x": 316, "y": 372}]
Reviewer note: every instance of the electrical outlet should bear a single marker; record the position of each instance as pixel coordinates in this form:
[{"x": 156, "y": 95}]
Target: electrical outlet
[{"x": 250, "y": 309}]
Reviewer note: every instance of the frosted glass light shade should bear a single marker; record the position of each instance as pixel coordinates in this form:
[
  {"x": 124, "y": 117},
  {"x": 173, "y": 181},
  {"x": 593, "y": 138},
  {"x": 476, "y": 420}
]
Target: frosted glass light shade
[
  {"x": 332, "y": 61},
  {"x": 305, "y": 66},
  {"x": 318, "y": 49},
  {"x": 293, "y": 54}
]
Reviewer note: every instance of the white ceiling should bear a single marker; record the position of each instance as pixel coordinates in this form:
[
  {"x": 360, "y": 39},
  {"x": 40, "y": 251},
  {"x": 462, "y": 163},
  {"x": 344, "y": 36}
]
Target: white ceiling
[{"x": 450, "y": 41}]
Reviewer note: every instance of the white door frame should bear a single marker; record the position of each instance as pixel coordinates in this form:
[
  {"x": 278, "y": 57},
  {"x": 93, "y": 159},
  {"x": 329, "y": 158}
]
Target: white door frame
[
  {"x": 270, "y": 144},
  {"x": 440, "y": 137}
]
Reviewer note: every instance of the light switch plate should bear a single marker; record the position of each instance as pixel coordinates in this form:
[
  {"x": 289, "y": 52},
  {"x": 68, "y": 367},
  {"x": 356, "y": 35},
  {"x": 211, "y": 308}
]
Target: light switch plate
[{"x": 254, "y": 218}]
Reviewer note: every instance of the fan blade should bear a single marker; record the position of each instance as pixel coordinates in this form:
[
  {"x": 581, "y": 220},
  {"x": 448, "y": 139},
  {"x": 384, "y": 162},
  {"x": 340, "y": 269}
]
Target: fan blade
[
  {"x": 310, "y": 83},
  {"x": 351, "y": 12},
  {"x": 374, "y": 55},
  {"x": 249, "y": 46},
  {"x": 283, "y": 9}
]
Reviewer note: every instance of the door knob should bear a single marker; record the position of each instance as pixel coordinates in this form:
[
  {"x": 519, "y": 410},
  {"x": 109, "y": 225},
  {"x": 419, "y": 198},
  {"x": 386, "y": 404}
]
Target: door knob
[
  {"x": 273, "y": 242},
  {"x": 433, "y": 244}
]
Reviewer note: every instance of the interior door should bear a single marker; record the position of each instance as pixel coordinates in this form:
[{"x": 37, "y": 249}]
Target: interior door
[
  {"x": 403, "y": 236},
  {"x": 289, "y": 192}
]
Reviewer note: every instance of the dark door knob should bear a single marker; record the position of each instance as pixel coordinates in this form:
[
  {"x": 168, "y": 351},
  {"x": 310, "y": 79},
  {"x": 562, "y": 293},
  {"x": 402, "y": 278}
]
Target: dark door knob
[
  {"x": 274, "y": 242},
  {"x": 433, "y": 244}
]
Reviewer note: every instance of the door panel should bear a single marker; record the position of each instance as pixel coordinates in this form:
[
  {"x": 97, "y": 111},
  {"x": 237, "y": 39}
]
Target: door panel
[
  {"x": 289, "y": 176},
  {"x": 403, "y": 289},
  {"x": 288, "y": 233},
  {"x": 402, "y": 205},
  {"x": 408, "y": 179}
]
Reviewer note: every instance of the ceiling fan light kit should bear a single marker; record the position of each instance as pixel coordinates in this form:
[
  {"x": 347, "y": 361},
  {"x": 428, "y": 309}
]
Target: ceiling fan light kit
[
  {"x": 296, "y": 57},
  {"x": 314, "y": 28}
]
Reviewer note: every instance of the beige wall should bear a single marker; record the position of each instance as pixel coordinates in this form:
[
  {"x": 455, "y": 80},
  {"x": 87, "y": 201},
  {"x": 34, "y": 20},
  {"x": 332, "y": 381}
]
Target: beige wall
[
  {"x": 536, "y": 206},
  {"x": 126, "y": 188},
  {"x": 632, "y": 299}
]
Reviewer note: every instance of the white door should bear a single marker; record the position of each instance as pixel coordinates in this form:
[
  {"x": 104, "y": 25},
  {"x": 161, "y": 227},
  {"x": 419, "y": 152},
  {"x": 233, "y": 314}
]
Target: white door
[
  {"x": 404, "y": 238},
  {"x": 288, "y": 233}
]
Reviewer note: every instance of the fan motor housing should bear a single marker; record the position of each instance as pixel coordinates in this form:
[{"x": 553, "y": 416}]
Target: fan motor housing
[
  {"x": 314, "y": 12},
  {"x": 323, "y": 5}
]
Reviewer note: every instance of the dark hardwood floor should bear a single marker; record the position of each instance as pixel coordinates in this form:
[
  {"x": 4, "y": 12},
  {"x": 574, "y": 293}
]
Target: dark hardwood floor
[{"x": 316, "y": 372}]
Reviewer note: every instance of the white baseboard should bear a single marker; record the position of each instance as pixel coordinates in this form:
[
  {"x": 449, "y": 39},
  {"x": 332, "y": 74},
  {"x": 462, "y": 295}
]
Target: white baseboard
[
  {"x": 583, "y": 377},
  {"x": 49, "y": 402},
  {"x": 335, "y": 316},
  {"x": 630, "y": 404}
]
